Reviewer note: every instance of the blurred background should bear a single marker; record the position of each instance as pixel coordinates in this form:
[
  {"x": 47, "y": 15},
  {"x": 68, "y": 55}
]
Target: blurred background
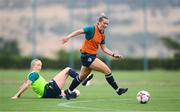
[{"x": 145, "y": 32}]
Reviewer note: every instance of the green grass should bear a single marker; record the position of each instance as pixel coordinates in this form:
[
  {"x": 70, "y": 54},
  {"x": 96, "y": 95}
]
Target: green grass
[{"x": 164, "y": 87}]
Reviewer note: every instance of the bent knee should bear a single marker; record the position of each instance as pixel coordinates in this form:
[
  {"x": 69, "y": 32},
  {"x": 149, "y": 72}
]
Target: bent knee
[
  {"x": 107, "y": 72},
  {"x": 67, "y": 68}
]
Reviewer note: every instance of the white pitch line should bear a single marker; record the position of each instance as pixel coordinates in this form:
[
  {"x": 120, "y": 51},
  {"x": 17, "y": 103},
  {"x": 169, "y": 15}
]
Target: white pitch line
[{"x": 69, "y": 104}]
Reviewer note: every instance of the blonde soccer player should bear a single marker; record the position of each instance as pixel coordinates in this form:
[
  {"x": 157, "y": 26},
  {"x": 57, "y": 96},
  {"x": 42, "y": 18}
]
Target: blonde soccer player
[
  {"x": 94, "y": 37},
  {"x": 51, "y": 89}
]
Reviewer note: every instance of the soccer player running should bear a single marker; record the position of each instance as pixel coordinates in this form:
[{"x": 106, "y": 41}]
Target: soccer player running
[
  {"x": 94, "y": 37},
  {"x": 51, "y": 89}
]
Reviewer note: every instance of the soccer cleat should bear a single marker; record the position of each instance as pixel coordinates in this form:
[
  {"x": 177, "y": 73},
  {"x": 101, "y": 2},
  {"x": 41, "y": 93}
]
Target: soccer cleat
[
  {"x": 122, "y": 91},
  {"x": 74, "y": 95},
  {"x": 84, "y": 82},
  {"x": 70, "y": 95}
]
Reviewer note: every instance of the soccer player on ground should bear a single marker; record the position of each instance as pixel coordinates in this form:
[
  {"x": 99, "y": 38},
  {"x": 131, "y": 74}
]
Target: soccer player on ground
[
  {"x": 94, "y": 37},
  {"x": 51, "y": 89}
]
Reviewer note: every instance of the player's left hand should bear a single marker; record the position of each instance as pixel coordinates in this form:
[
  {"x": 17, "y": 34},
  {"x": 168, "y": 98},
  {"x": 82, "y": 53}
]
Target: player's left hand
[{"x": 117, "y": 56}]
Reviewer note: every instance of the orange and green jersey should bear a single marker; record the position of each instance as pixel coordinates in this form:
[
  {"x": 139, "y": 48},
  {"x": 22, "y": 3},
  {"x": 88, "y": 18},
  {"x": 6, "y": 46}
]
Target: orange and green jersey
[
  {"x": 93, "y": 38},
  {"x": 38, "y": 83}
]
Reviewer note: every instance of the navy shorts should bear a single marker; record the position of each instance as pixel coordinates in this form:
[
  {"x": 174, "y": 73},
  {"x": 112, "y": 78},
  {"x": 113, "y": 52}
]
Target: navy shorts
[
  {"x": 52, "y": 90},
  {"x": 87, "y": 59}
]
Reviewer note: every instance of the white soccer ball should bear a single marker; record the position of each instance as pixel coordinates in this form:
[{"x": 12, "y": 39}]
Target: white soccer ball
[
  {"x": 77, "y": 92},
  {"x": 143, "y": 97}
]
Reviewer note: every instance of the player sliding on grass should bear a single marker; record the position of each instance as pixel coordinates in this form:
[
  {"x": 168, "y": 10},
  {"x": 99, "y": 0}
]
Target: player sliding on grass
[
  {"x": 52, "y": 89},
  {"x": 94, "y": 37}
]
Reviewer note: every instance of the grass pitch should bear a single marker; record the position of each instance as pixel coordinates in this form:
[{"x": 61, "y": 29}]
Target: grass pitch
[{"x": 163, "y": 86}]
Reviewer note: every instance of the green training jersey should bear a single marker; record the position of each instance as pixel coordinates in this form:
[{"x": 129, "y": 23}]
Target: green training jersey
[{"x": 38, "y": 83}]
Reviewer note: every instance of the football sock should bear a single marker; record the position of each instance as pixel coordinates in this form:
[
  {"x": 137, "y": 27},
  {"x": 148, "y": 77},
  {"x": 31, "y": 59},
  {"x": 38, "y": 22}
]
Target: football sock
[
  {"x": 111, "y": 81},
  {"x": 85, "y": 81},
  {"x": 74, "y": 84},
  {"x": 72, "y": 73}
]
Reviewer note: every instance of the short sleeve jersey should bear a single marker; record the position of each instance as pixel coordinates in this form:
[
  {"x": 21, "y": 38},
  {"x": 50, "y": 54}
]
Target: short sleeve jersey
[{"x": 38, "y": 83}]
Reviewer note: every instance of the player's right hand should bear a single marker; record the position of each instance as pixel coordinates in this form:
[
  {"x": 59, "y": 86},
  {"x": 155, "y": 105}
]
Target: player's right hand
[{"x": 64, "y": 40}]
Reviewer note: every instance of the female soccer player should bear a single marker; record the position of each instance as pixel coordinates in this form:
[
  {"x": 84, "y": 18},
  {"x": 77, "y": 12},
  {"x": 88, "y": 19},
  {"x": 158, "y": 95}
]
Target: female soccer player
[
  {"x": 94, "y": 37},
  {"x": 51, "y": 89}
]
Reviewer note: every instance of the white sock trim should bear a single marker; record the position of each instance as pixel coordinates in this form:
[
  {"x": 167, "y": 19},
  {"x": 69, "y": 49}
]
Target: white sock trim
[
  {"x": 77, "y": 78},
  {"x": 109, "y": 76},
  {"x": 117, "y": 89},
  {"x": 69, "y": 91}
]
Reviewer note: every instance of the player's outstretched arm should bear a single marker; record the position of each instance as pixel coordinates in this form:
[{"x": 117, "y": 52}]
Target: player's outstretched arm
[
  {"x": 109, "y": 52},
  {"x": 22, "y": 89},
  {"x": 73, "y": 34}
]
